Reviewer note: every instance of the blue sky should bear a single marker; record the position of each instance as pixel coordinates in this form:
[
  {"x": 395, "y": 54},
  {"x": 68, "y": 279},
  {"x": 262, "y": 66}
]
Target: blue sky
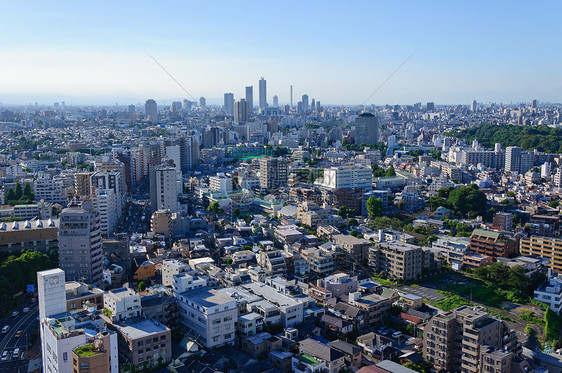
[{"x": 337, "y": 52}]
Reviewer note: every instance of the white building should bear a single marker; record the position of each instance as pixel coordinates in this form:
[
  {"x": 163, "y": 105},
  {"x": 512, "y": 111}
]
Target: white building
[
  {"x": 163, "y": 189},
  {"x": 61, "y": 332},
  {"x": 48, "y": 189},
  {"x": 122, "y": 303},
  {"x": 171, "y": 267},
  {"x": 105, "y": 203},
  {"x": 347, "y": 177},
  {"x": 220, "y": 183},
  {"x": 551, "y": 293},
  {"x": 183, "y": 282},
  {"x": 211, "y": 314},
  {"x": 292, "y": 311}
]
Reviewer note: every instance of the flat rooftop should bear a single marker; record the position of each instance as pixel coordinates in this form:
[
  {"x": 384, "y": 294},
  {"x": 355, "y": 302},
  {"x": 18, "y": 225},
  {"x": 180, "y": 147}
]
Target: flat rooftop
[
  {"x": 141, "y": 328},
  {"x": 207, "y": 297}
]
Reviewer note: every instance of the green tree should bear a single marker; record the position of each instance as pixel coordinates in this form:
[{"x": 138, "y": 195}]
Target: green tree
[
  {"x": 554, "y": 204},
  {"x": 215, "y": 207},
  {"x": 390, "y": 171},
  {"x": 141, "y": 286},
  {"x": 27, "y": 192},
  {"x": 9, "y": 195},
  {"x": 374, "y": 206},
  {"x": 18, "y": 191}
]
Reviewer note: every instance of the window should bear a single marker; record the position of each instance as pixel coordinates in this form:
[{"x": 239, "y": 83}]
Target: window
[
  {"x": 163, "y": 338},
  {"x": 65, "y": 356}
]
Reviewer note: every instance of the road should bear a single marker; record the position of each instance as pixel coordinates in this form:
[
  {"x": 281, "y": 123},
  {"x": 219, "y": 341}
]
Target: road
[{"x": 27, "y": 323}]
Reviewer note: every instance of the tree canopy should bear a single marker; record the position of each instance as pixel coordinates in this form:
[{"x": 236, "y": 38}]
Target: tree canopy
[
  {"x": 542, "y": 138},
  {"x": 463, "y": 201},
  {"x": 374, "y": 206}
]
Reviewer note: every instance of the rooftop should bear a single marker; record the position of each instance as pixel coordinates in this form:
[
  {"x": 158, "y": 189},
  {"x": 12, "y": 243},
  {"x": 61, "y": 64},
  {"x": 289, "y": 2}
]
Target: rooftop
[
  {"x": 141, "y": 328},
  {"x": 207, "y": 297}
]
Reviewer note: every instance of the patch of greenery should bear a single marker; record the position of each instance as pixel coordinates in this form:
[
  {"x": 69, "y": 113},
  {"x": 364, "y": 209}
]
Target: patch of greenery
[
  {"x": 530, "y": 317},
  {"x": 541, "y": 138},
  {"x": 451, "y": 301},
  {"x": 552, "y": 325}
]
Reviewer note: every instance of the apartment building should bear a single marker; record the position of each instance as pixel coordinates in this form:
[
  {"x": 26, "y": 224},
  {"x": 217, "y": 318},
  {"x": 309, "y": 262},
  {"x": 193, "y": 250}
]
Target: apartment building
[
  {"x": 39, "y": 235},
  {"x": 544, "y": 247},
  {"x": 292, "y": 311},
  {"x": 465, "y": 339},
  {"x": 492, "y": 243},
  {"x": 401, "y": 260},
  {"x": 210, "y": 313},
  {"x": 373, "y": 305},
  {"x": 171, "y": 267},
  {"x": 122, "y": 303}
]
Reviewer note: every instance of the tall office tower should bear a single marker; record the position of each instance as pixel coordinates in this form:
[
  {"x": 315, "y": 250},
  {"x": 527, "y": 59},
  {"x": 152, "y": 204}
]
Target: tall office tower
[
  {"x": 366, "y": 129},
  {"x": 202, "y": 102},
  {"x": 534, "y": 104},
  {"x": 291, "y": 97},
  {"x": 132, "y": 109},
  {"x": 229, "y": 104},
  {"x": 263, "y": 94},
  {"x": 173, "y": 152},
  {"x": 187, "y": 104},
  {"x": 473, "y": 105},
  {"x": 513, "y": 158},
  {"x": 211, "y": 137},
  {"x": 312, "y": 105},
  {"x": 273, "y": 172},
  {"x": 151, "y": 111},
  {"x": 275, "y": 101},
  {"x": 318, "y": 106},
  {"x": 80, "y": 246},
  {"x": 430, "y": 106},
  {"x": 305, "y": 106},
  {"x": 250, "y": 97},
  {"x": 163, "y": 189},
  {"x": 176, "y": 107},
  {"x": 241, "y": 111},
  {"x": 189, "y": 153}
]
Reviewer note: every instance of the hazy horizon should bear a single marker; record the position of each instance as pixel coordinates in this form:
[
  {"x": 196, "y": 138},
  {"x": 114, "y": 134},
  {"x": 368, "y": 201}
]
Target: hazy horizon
[{"x": 96, "y": 53}]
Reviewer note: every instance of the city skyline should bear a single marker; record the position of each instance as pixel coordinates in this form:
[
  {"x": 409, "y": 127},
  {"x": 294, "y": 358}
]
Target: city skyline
[{"x": 97, "y": 54}]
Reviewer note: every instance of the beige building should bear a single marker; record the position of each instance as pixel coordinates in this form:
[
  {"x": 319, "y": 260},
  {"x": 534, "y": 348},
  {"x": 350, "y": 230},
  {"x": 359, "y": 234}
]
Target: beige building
[
  {"x": 82, "y": 186},
  {"x": 40, "y": 235},
  {"x": 94, "y": 357},
  {"x": 544, "y": 247},
  {"x": 401, "y": 260},
  {"x": 161, "y": 223},
  {"x": 467, "y": 339}
]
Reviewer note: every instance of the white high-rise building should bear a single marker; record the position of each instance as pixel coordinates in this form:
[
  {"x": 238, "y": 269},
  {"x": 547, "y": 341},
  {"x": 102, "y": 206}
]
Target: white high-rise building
[
  {"x": 163, "y": 188},
  {"x": 513, "y": 158},
  {"x": 106, "y": 205}
]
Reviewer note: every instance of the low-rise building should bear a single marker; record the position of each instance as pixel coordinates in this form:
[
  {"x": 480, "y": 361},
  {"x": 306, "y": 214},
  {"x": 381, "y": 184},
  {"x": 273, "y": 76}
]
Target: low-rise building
[
  {"x": 551, "y": 292},
  {"x": 209, "y": 313},
  {"x": 492, "y": 243}
]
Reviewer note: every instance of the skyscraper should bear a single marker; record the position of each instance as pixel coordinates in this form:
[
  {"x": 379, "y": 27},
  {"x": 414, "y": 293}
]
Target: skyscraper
[
  {"x": 366, "y": 129},
  {"x": 273, "y": 172},
  {"x": 263, "y": 94},
  {"x": 305, "y": 106},
  {"x": 151, "y": 111},
  {"x": 250, "y": 97},
  {"x": 163, "y": 188},
  {"x": 202, "y": 102},
  {"x": 229, "y": 103},
  {"x": 473, "y": 105},
  {"x": 534, "y": 104},
  {"x": 80, "y": 245},
  {"x": 291, "y": 97},
  {"x": 275, "y": 101},
  {"x": 513, "y": 158},
  {"x": 241, "y": 111}
]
